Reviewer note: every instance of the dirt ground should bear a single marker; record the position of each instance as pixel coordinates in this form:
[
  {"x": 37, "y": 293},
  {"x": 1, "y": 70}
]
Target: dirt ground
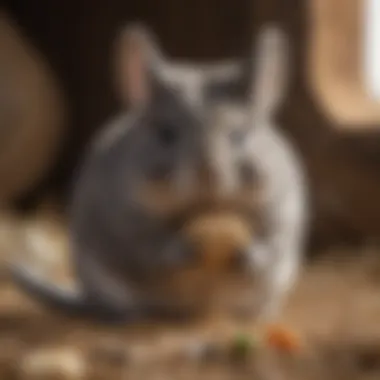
[{"x": 335, "y": 308}]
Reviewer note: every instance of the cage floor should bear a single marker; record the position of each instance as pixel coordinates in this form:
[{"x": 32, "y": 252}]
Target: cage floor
[{"x": 335, "y": 308}]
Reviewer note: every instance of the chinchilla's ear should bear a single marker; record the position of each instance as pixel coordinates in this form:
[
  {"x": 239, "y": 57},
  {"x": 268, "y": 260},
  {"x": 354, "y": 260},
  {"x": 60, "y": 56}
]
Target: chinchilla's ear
[
  {"x": 136, "y": 57},
  {"x": 270, "y": 72}
]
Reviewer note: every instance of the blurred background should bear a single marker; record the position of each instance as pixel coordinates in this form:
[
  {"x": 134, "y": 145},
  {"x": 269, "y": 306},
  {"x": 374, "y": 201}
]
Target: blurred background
[{"x": 56, "y": 91}]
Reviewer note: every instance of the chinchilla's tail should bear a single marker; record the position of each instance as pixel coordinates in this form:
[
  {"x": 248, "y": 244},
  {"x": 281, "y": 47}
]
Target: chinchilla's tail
[{"x": 73, "y": 302}]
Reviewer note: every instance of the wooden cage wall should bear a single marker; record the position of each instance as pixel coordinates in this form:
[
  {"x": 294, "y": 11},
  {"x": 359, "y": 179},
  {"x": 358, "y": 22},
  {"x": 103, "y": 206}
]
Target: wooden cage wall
[{"x": 343, "y": 167}]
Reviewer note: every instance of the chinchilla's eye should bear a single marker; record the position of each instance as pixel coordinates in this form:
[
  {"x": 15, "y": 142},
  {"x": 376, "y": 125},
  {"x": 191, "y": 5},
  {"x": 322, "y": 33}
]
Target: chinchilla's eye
[{"x": 167, "y": 133}]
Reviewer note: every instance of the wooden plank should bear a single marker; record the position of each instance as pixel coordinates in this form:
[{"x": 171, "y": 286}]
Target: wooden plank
[{"x": 335, "y": 63}]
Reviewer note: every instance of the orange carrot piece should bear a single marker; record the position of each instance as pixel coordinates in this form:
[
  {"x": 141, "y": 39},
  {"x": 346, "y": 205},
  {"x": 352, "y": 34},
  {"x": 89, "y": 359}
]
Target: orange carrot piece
[{"x": 283, "y": 339}]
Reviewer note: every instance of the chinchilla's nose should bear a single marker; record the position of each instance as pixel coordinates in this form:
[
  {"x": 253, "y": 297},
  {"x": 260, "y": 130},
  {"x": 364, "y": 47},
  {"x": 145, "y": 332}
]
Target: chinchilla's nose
[{"x": 207, "y": 174}]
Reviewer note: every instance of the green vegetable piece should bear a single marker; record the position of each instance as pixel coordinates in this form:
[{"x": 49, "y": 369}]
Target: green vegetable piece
[{"x": 242, "y": 345}]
